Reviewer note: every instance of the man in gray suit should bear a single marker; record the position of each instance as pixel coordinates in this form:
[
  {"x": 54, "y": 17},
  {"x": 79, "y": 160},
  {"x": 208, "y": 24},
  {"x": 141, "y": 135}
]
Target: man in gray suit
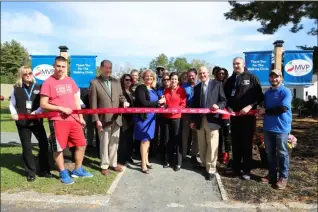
[
  {"x": 208, "y": 94},
  {"x": 106, "y": 92}
]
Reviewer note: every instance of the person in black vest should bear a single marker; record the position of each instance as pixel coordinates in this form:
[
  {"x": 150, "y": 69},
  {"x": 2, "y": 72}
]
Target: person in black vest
[{"x": 25, "y": 98}]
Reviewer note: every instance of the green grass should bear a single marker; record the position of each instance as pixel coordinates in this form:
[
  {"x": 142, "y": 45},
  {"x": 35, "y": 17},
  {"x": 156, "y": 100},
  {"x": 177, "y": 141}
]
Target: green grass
[
  {"x": 13, "y": 177},
  {"x": 7, "y": 124}
]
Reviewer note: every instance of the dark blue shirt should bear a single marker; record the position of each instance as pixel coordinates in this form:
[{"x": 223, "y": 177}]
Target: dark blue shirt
[
  {"x": 160, "y": 92},
  {"x": 277, "y": 97},
  {"x": 189, "y": 91}
]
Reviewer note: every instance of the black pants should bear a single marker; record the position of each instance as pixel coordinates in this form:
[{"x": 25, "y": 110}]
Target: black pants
[
  {"x": 125, "y": 147},
  {"x": 224, "y": 139},
  {"x": 242, "y": 132},
  {"x": 157, "y": 145},
  {"x": 173, "y": 146},
  {"x": 25, "y": 133}
]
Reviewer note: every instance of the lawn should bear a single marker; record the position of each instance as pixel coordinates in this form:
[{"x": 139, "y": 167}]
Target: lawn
[
  {"x": 7, "y": 124},
  {"x": 13, "y": 178},
  {"x": 302, "y": 184},
  {"x": 12, "y": 170}
]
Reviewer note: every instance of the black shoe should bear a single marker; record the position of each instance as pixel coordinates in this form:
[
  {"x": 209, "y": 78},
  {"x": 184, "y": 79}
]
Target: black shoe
[
  {"x": 45, "y": 174},
  {"x": 30, "y": 178},
  {"x": 177, "y": 168},
  {"x": 210, "y": 177},
  {"x": 131, "y": 161},
  {"x": 166, "y": 165}
]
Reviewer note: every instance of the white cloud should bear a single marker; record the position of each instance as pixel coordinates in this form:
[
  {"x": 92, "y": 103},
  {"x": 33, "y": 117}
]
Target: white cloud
[
  {"x": 34, "y": 23},
  {"x": 147, "y": 29},
  {"x": 257, "y": 37}
]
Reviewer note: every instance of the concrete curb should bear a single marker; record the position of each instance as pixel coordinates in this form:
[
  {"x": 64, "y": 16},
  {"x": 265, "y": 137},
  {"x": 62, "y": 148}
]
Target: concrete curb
[
  {"x": 116, "y": 181},
  {"x": 221, "y": 187}
]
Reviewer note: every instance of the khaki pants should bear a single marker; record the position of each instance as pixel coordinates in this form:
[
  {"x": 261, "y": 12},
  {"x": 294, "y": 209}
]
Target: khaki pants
[
  {"x": 208, "y": 141},
  {"x": 185, "y": 137},
  {"x": 109, "y": 140}
]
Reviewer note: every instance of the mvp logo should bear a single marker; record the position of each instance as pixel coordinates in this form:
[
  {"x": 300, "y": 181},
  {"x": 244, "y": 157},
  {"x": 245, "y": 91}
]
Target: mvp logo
[
  {"x": 298, "y": 67},
  {"x": 43, "y": 71}
]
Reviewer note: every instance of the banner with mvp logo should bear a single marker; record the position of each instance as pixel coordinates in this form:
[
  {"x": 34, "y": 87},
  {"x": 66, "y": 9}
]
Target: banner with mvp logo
[
  {"x": 42, "y": 67},
  {"x": 298, "y": 67}
]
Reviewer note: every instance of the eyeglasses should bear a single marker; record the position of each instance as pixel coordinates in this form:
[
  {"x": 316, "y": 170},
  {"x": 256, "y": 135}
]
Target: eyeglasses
[
  {"x": 27, "y": 74},
  {"x": 166, "y": 79},
  {"x": 128, "y": 80},
  {"x": 220, "y": 73}
]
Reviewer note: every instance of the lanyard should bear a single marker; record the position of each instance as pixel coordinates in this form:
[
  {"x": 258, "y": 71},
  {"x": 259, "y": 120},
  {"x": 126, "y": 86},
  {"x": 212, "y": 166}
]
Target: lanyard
[{"x": 29, "y": 94}]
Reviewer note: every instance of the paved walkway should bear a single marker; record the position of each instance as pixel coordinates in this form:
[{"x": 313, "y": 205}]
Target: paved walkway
[
  {"x": 13, "y": 137},
  {"x": 163, "y": 189}
]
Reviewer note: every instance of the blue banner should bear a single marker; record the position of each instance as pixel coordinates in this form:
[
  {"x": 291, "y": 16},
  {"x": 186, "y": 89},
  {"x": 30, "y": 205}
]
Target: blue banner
[
  {"x": 298, "y": 67},
  {"x": 259, "y": 64},
  {"x": 83, "y": 69},
  {"x": 42, "y": 67}
]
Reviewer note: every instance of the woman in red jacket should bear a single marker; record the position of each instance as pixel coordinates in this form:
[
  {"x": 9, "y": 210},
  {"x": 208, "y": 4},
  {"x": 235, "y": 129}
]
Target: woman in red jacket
[{"x": 175, "y": 98}]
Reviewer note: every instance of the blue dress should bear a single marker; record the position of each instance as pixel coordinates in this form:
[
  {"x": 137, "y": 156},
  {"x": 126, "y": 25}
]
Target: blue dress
[{"x": 145, "y": 130}]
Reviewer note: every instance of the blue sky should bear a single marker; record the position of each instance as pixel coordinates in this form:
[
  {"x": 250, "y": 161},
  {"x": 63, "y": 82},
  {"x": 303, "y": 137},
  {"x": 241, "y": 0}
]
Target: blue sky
[{"x": 131, "y": 34}]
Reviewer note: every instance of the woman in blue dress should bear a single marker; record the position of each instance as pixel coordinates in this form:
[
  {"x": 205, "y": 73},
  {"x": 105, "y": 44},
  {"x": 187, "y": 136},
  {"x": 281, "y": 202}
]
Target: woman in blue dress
[{"x": 144, "y": 128}]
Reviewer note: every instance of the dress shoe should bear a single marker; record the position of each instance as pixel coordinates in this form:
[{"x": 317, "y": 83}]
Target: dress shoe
[
  {"x": 105, "y": 172},
  {"x": 30, "y": 178},
  {"x": 146, "y": 171},
  {"x": 45, "y": 174},
  {"x": 177, "y": 168},
  {"x": 194, "y": 160},
  {"x": 166, "y": 165},
  {"x": 131, "y": 161},
  {"x": 149, "y": 166},
  {"x": 210, "y": 176},
  {"x": 117, "y": 168}
]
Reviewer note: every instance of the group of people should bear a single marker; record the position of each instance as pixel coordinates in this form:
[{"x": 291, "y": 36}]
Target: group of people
[{"x": 209, "y": 136}]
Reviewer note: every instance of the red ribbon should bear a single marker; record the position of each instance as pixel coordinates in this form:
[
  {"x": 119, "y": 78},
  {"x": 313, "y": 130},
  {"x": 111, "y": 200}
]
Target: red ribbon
[{"x": 136, "y": 110}]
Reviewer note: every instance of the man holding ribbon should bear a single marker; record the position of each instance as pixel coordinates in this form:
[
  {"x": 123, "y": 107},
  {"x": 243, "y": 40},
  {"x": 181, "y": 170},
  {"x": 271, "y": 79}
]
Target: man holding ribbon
[
  {"x": 106, "y": 92},
  {"x": 243, "y": 92},
  {"x": 208, "y": 94},
  {"x": 59, "y": 93}
]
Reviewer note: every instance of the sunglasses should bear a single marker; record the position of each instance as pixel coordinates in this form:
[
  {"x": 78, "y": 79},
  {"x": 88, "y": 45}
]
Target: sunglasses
[
  {"x": 128, "y": 80},
  {"x": 27, "y": 74},
  {"x": 166, "y": 79}
]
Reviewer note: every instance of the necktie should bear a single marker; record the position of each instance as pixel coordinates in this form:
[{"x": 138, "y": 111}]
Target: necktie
[{"x": 203, "y": 95}]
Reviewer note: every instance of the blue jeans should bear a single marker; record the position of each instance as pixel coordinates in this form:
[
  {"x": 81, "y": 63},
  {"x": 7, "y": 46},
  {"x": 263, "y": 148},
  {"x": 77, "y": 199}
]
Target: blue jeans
[{"x": 276, "y": 145}]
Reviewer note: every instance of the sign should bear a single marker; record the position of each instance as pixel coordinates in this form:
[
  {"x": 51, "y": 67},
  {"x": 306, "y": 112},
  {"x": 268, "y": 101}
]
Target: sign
[
  {"x": 83, "y": 69},
  {"x": 259, "y": 64},
  {"x": 42, "y": 67},
  {"x": 298, "y": 67}
]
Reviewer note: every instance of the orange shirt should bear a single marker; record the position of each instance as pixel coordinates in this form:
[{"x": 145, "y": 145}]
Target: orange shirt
[{"x": 175, "y": 99}]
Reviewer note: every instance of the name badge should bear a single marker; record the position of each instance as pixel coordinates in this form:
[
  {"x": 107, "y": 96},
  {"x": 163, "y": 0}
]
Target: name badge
[
  {"x": 233, "y": 92},
  {"x": 28, "y": 105}
]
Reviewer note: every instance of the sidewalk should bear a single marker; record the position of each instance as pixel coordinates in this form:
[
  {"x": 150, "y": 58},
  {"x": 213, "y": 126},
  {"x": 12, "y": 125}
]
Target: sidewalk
[{"x": 13, "y": 137}]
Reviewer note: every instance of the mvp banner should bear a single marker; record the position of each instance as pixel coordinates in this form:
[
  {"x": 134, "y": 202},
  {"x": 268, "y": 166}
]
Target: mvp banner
[
  {"x": 42, "y": 67},
  {"x": 259, "y": 64},
  {"x": 83, "y": 70},
  {"x": 298, "y": 67}
]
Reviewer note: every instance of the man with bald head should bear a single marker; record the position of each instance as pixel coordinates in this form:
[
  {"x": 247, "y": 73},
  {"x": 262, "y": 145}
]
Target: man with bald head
[
  {"x": 243, "y": 92},
  {"x": 208, "y": 94}
]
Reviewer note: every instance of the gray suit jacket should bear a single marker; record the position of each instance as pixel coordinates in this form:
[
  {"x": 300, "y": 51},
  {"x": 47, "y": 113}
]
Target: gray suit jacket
[{"x": 99, "y": 97}]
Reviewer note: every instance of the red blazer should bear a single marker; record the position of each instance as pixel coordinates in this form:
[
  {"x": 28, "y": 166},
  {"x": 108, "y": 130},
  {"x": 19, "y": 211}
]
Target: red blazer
[{"x": 175, "y": 99}]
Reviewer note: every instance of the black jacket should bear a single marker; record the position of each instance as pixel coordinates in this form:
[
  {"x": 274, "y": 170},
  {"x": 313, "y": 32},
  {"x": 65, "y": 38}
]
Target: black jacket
[
  {"x": 215, "y": 95},
  {"x": 142, "y": 99},
  {"x": 248, "y": 91}
]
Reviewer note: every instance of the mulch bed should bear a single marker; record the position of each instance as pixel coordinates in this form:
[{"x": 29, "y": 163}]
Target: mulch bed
[{"x": 302, "y": 184}]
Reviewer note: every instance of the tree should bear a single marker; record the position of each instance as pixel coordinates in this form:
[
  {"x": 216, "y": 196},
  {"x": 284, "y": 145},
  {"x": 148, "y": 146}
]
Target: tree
[
  {"x": 161, "y": 60},
  {"x": 275, "y": 14},
  {"x": 195, "y": 63},
  {"x": 181, "y": 64},
  {"x": 13, "y": 56}
]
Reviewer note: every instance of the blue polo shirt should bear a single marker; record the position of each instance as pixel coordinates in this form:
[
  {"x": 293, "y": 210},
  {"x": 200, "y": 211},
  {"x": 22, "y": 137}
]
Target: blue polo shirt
[
  {"x": 275, "y": 97},
  {"x": 189, "y": 91}
]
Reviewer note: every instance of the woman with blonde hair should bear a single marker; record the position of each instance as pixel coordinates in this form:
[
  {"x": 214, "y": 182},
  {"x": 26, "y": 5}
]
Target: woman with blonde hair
[
  {"x": 25, "y": 99},
  {"x": 144, "y": 128}
]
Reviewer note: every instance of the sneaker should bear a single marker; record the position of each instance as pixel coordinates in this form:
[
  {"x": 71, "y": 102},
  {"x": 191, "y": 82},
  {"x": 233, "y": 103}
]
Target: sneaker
[
  {"x": 281, "y": 184},
  {"x": 80, "y": 172},
  {"x": 65, "y": 177},
  {"x": 246, "y": 177}
]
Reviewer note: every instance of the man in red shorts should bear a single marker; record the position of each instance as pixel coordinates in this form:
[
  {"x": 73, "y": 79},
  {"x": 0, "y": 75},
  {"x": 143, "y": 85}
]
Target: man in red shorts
[{"x": 59, "y": 93}]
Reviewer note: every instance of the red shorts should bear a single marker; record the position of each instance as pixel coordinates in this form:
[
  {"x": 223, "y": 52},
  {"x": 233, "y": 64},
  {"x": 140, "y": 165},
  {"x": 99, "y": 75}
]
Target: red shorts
[{"x": 67, "y": 133}]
